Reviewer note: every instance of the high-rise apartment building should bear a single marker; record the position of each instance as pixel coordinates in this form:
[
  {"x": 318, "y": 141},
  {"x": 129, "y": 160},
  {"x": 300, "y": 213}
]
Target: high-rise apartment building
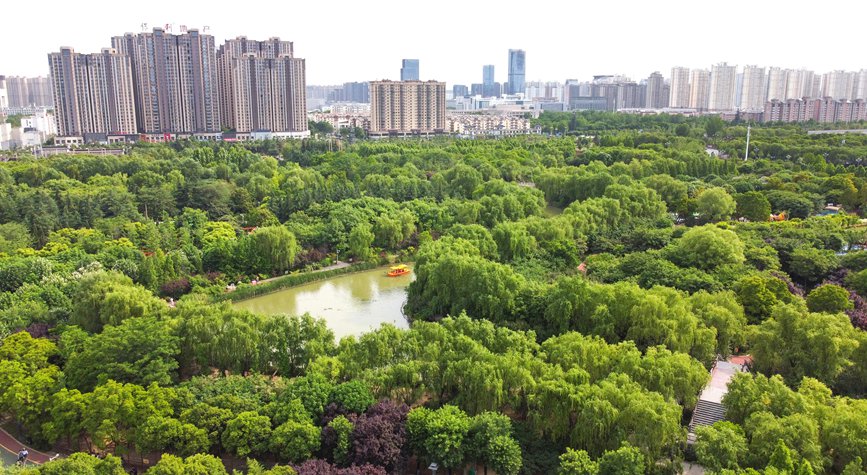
[
  {"x": 29, "y": 91},
  {"x": 799, "y": 84},
  {"x": 839, "y": 85},
  {"x": 723, "y": 79},
  {"x": 753, "y": 89},
  {"x": 699, "y": 89},
  {"x": 776, "y": 84},
  {"x": 93, "y": 93},
  {"x": 409, "y": 70},
  {"x": 517, "y": 71},
  {"x": 175, "y": 80},
  {"x": 679, "y": 97},
  {"x": 407, "y": 107},
  {"x": 262, "y": 86},
  {"x": 4, "y": 94},
  {"x": 861, "y": 91},
  {"x": 653, "y": 98}
]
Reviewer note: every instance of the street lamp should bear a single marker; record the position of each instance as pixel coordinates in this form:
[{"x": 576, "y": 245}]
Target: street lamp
[{"x": 433, "y": 467}]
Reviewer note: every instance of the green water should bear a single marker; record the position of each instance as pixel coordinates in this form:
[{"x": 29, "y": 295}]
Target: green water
[{"x": 351, "y": 304}]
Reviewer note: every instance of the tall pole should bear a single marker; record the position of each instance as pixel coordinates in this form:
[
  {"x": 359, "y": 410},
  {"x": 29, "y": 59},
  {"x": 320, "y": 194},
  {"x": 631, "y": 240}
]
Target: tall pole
[{"x": 747, "y": 151}]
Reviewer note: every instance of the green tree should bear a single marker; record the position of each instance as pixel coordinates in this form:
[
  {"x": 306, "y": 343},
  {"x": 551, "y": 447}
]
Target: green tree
[
  {"x": 353, "y": 395},
  {"x": 440, "y": 434},
  {"x": 295, "y": 441},
  {"x": 139, "y": 350},
  {"x": 795, "y": 344},
  {"x": 707, "y": 247},
  {"x": 360, "y": 241},
  {"x": 84, "y": 464},
  {"x": 829, "y": 298},
  {"x": 248, "y": 433},
  {"x": 199, "y": 464},
  {"x": 722, "y": 446},
  {"x": 577, "y": 462},
  {"x": 715, "y": 204},
  {"x": 624, "y": 461},
  {"x": 271, "y": 249},
  {"x": 754, "y": 206},
  {"x": 810, "y": 265}
]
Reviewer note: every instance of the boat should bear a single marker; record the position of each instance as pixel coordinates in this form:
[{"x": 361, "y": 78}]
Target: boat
[{"x": 398, "y": 270}]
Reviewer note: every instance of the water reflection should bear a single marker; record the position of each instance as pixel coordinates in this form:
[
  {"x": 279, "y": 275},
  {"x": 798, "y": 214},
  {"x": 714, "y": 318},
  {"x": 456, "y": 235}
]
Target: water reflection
[{"x": 351, "y": 304}]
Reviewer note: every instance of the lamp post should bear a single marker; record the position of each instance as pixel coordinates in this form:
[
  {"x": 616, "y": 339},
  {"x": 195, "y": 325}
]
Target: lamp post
[{"x": 433, "y": 467}]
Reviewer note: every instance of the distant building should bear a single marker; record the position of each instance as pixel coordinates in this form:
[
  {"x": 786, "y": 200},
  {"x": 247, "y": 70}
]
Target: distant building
[
  {"x": 4, "y": 94},
  {"x": 409, "y": 70},
  {"x": 654, "y": 97},
  {"x": 839, "y": 85},
  {"x": 723, "y": 79},
  {"x": 28, "y": 92},
  {"x": 517, "y": 71},
  {"x": 699, "y": 89},
  {"x": 175, "y": 79},
  {"x": 262, "y": 87},
  {"x": 679, "y": 97},
  {"x": 93, "y": 93},
  {"x": 459, "y": 90},
  {"x": 753, "y": 89},
  {"x": 407, "y": 108},
  {"x": 352, "y": 92},
  {"x": 826, "y": 110},
  {"x": 776, "y": 84}
]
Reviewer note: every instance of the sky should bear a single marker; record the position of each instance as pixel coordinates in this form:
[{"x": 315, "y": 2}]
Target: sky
[{"x": 344, "y": 41}]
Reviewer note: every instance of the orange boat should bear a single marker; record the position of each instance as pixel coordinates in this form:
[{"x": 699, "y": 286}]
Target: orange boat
[{"x": 398, "y": 271}]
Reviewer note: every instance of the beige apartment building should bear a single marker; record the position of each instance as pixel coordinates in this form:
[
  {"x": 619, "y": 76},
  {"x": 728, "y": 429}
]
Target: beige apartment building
[
  {"x": 262, "y": 86},
  {"x": 175, "y": 81},
  {"x": 407, "y": 108},
  {"x": 93, "y": 93}
]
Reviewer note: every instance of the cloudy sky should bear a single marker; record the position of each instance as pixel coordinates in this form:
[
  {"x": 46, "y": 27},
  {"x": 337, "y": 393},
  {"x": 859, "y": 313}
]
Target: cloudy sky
[{"x": 365, "y": 40}]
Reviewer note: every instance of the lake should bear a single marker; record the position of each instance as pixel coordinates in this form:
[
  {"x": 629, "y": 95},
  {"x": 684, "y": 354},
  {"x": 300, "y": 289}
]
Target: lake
[{"x": 351, "y": 304}]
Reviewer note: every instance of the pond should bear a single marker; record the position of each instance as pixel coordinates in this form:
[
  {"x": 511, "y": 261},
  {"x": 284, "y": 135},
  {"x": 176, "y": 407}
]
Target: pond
[{"x": 351, "y": 304}]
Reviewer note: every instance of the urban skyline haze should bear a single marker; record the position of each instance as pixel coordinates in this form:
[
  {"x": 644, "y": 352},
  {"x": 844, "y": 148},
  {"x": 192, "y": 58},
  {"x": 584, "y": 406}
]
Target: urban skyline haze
[{"x": 351, "y": 41}]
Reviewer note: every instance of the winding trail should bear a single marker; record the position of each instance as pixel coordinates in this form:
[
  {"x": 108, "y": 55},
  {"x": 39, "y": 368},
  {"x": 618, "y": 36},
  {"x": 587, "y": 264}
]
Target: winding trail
[{"x": 12, "y": 445}]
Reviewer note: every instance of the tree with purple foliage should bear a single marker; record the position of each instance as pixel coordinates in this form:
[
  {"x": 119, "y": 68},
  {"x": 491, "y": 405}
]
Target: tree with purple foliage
[
  {"x": 322, "y": 467},
  {"x": 379, "y": 436}
]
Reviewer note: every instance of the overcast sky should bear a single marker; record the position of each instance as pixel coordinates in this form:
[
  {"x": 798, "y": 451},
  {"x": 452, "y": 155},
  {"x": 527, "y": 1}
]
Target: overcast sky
[{"x": 366, "y": 40}]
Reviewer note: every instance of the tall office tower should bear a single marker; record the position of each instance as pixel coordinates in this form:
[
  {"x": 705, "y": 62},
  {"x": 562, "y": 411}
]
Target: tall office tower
[
  {"x": 517, "y": 71},
  {"x": 407, "y": 107},
  {"x": 753, "y": 89},
  {"x": 653, "y": 96},
  {"x": 723, "y": 79},
  {"x": 409, "y": 70},
  {"x": 838, "y": 84},
  {"x": 460, "y": 90},
  {"x": 490, "y": 88},
  {"x": 175, "y": 79},
  {"x": 699, "y": 89},
  {"x": 679, "y": 97},
  {"x": 777, "y": 85},
  {"x": 861, "y": 90},
  {"x": 262, "y": 86},
  {"x": 93, "y": 93}
]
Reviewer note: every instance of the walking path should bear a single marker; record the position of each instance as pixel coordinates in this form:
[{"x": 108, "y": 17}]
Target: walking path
[
  {"x": 12, "y": 445},
  {"x": 336, "y": 265}
]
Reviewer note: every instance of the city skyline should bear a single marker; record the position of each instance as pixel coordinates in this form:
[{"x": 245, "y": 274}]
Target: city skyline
[{"x": 321, "y": 38}]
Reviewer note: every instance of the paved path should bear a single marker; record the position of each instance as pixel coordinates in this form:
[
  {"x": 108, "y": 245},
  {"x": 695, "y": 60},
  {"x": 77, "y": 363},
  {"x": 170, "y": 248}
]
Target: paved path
[
  {"x": 10, "y": 444},
  {"x": 336, "y": 265}
]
